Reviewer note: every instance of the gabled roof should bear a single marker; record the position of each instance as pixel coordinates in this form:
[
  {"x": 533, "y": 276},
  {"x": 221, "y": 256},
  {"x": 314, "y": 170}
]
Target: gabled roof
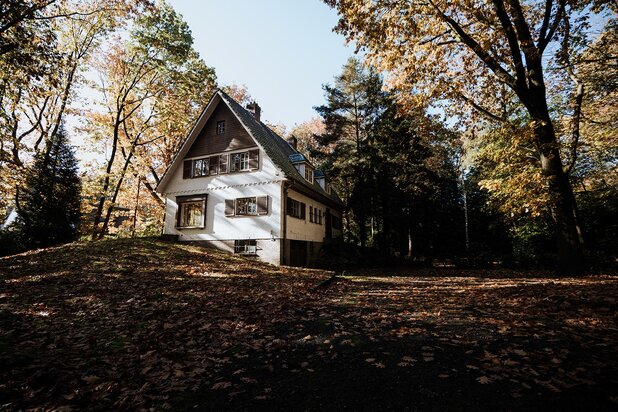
[{"x": 276, "y": 148}]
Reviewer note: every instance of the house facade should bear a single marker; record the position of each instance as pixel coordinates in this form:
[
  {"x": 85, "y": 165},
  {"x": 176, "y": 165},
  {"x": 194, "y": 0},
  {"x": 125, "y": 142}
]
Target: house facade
[{"x": 239, "y": 186}]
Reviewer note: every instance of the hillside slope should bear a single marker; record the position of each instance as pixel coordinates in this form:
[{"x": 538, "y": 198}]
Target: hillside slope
[
  {"x": 128, "y": 324},
  {"x": 122, "y": 322}
]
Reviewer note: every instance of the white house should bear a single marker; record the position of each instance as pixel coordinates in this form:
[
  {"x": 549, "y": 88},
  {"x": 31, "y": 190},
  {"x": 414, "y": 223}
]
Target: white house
[{"x": 238, "y": 185}]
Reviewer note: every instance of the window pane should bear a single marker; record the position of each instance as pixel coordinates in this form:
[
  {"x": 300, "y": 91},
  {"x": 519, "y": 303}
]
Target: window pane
[
  {"x": 200, "y": 167},
  {"x": 246, "y": 206},
  {"x": 244, "y": 165},
  {"x": 191, "y": 214}
]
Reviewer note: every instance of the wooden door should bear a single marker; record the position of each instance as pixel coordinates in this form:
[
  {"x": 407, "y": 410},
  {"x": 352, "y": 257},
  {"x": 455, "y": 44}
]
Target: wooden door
[{"x": 298, "y": 253}]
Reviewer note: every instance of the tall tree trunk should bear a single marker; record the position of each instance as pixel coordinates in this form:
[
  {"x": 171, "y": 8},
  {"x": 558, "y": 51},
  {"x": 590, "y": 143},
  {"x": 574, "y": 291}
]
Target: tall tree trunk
[
  {"x": 564, "y": 208},
  {"x": 569, "y": 239},
  {"x": 362, "y": 227},
  {"x": 386, "y": 224},
  {"x": 110, "y": 163},
  {"x": 112, "y": 204},
  {"x": 465, "y": 208}
]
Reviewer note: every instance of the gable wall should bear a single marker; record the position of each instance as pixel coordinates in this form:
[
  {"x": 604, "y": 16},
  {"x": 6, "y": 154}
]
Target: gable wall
[
  {"x": 221, "y": 229},
  {"x": 209, "y": 142}
]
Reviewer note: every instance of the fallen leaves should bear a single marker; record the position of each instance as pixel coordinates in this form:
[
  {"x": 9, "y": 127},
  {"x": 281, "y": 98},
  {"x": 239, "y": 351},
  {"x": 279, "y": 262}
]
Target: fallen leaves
[
  {"x": 221, "y": 385},
  {"x": 138, "y": 324}
]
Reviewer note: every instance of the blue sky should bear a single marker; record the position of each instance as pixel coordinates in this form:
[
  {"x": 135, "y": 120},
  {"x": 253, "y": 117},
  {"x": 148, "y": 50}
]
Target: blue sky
[{"x": 282, "y": 50}]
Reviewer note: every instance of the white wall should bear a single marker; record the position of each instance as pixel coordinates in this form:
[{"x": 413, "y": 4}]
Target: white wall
[{"x": 265, "y": 181}]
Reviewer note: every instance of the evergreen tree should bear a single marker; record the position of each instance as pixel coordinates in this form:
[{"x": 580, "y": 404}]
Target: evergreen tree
[
  {"x": 394, "y": 171},
  {"x": 49, "y": 204}
]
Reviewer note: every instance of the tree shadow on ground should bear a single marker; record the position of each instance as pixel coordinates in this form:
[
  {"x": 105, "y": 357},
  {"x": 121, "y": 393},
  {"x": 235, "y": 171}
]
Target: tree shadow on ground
[{"x": 127, "y": 324}]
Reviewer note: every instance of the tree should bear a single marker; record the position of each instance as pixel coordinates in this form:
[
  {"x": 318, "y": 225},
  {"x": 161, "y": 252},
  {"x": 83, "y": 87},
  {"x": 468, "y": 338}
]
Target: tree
[
  {"x": 392, "y": 169},
  {"x": 353, "y": 104},
  {"x": 49, "y": 204},
  {"x": 151, "y": 84},
  {"x": 466, "y": 50},
  {"x": 44, "y": 48},
  {"x": 306, "y": 133}
]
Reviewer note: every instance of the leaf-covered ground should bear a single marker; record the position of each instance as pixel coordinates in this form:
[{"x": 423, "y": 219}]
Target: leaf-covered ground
[{"x": 132, "y": 324}]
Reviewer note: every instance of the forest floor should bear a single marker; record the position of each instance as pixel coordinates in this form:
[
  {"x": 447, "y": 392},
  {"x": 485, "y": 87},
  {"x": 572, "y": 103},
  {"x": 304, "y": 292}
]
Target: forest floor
[{"x": 146, "y": 324}]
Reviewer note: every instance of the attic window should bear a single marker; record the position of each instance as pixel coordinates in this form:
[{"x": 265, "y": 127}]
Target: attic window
[
  {"x": 200, "y": 167},
  {"x": 239, "y": 161},
  {"x": 308, "y": 174},
  {"x": 221, "y": 127}
]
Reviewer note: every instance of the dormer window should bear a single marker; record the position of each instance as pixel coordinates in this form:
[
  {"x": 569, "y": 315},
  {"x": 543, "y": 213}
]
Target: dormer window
[
  {"x": 308, "y": 174},
  {"x": 221, "y": 127}
]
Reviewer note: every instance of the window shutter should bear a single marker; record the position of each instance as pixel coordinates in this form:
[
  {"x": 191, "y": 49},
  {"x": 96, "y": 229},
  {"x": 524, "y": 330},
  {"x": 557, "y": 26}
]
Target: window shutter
[
  {"x": 254, "y": 159},
  {"x": 213, "y": 165},
  {"x": 223, "y": 163},
  {"x": 303, "y": 208},
  {"x": 204, "y": 210},
  {"x": 178, "y": 206},
  {"x": 262, "y": 205},
  {"x": 186, "y": 169},
  {"x": 311, "y": 213},
  {"x": 229, "y": 207},
  {"x": 232, "y": 167}
]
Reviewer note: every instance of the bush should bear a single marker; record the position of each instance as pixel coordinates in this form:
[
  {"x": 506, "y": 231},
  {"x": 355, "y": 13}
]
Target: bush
[{"x": 11, "y": 241}]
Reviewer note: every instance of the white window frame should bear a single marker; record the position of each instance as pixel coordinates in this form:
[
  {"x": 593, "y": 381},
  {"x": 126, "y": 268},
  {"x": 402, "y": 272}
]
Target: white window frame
[
  {"x": 308, "y": 174},
  {"x": 243, "y": 161}
]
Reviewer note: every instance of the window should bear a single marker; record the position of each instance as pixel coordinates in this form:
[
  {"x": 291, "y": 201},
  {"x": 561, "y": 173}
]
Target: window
[
  {"x": 221, "y": 127},
  {"x": 308, "y": 174},
  {"x": 191, "y": 211},
  {"x": 315, "y": 215},
  {"x": 205, "y": 167},
  {"x": 239, "y": 162},
  {"x": 223, "y": 163},
  {"x": 295, "y": 208},
  {"x": 245, "y": 246},
  {"x": 247, "y": 206},
  {"x": 200, "y": 167}
]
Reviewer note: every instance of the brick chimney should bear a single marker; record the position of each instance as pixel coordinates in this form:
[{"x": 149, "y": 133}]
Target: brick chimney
[
  {"x": 255, "y": 110},
  {"x": 293, "y": 141}
]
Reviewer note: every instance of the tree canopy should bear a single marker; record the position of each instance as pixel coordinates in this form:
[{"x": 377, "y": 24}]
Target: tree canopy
[{"x": 489, "y": 55}]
